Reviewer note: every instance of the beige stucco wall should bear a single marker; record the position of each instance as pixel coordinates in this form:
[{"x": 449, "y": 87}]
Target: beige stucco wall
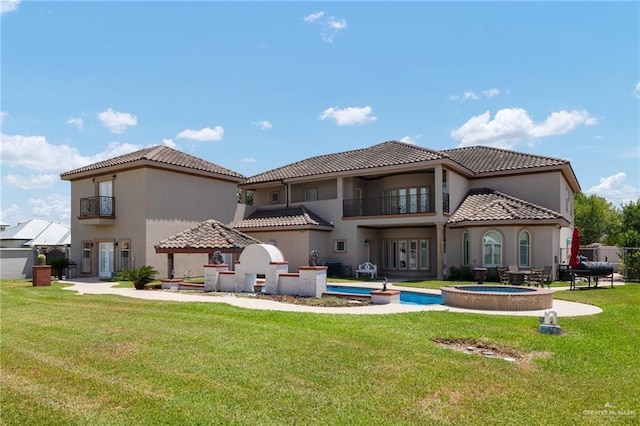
[
  {"x": 327, "y": 190},
  {"x": 152, "y": 204},
  {"x": 547, "y": 189},
  {"x": 545, "y": 245}
]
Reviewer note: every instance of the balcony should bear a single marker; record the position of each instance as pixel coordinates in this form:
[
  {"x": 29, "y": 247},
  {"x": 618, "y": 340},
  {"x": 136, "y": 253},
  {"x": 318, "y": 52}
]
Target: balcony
[
  {"x": 385, "y": 206},
  {"x": 98, "y": 210}
]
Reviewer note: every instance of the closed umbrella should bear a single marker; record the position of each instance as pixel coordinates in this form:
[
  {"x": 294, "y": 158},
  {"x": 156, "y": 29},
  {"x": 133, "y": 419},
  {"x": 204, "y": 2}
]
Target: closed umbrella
[{"x": 575, "y": 248}]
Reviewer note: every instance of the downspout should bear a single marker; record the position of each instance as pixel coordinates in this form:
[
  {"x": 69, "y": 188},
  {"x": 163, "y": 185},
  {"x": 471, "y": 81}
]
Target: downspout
[{"x": 286, "y": 192}]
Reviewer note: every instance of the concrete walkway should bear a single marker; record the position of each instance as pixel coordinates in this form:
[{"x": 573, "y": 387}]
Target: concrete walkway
[{"x": 93, "y": 286}]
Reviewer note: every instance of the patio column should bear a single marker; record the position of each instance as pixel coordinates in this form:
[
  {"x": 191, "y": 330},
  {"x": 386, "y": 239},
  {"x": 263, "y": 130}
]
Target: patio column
[
  {"x": 437, "y": 184},
  {"x": 439, "y": 249},
  {"x": 170, "y": 265}
]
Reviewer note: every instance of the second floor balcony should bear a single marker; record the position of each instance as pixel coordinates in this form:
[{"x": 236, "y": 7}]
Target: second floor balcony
[
  {"x": 98, "y": 207},
  {"x": 394, "y": 205}
]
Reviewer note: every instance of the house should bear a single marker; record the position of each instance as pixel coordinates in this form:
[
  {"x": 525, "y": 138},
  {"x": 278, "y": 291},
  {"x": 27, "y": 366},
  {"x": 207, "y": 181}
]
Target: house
[
  {"x": 20, "y": 245},
  {"x": 122, "y": 207},
  {"x": 415, "y": 212}
]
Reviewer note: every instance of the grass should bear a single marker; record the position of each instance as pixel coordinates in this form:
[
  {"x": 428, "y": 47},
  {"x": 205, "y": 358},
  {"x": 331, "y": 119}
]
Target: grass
[{"x": 70, "y": 359}]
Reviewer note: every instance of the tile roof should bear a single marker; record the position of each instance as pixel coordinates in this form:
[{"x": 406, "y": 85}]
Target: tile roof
[
  {"x": 39, "y": 232},
  {"x": 484, "y": 204},
  {"x": 206, "y": 236},
  {"x": 160, "y": 155},
  {"x": 484, "y": 159},
  {"x": 384, "y": 154},
  {"x": 298, "y": 216}
]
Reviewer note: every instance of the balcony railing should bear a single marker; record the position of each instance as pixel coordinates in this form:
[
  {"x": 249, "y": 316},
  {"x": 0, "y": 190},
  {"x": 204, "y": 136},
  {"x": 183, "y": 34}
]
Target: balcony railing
[
  {"x": 99, "y": 206},
  {"x": 381, "y": 206}
]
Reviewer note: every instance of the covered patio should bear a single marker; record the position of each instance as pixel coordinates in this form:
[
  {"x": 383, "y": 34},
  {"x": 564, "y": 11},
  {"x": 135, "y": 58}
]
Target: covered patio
[{"x": 207, "y": 237}]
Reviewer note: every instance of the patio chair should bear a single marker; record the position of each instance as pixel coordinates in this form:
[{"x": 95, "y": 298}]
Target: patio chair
[
  {"x": 535, "y": 277},
  {"x": 503, "y": 275},
  {"x": 546, "y": 276},
  {"x": 513, "y": 268}
]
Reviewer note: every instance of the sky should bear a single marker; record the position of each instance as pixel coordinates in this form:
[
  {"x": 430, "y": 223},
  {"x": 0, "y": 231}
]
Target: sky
[{"x": 252, "y": 86}]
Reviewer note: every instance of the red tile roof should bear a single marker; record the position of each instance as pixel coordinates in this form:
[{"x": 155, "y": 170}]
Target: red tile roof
[
  {"x": 477, "y": 160},
  {"x": 159, "y": 155},
  {"x": 298, "y": 217},
  {"x": 205, "y": 237},
  {"x": 485, "y": 204}
]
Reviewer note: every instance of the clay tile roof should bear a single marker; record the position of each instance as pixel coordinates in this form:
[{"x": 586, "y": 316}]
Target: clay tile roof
[
  {"x": 298, "y": 216},
  {"x": 381, "y": 155},
  {"x": 484, "y": 159},
  {"x": 485, "y": 204},
  {"x": 160, "y": 155},
  {"x": 208, "y": 235}
]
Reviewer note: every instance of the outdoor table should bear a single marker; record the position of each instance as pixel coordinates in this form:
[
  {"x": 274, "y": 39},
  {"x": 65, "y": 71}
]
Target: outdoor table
[{"x": 517, "y": 277}]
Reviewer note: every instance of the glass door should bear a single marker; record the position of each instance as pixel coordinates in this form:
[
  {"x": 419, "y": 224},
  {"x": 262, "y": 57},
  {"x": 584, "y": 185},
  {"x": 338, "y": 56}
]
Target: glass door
[{"x": 105, "y": 260}]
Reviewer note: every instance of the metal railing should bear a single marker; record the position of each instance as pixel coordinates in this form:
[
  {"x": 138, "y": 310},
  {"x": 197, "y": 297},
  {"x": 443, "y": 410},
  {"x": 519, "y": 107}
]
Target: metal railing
[
  {"x": 396, "y": 205},
  {"x": 98, "y": 206}
]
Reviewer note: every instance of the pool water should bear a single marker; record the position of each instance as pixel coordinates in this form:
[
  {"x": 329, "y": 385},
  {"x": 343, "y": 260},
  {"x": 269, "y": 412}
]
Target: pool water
[{"x": 406, "y": 297}]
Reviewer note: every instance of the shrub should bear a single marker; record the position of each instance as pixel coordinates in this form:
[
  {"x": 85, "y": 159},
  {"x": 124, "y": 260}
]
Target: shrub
[
  {"x": 139, "y": 276},
  {"x": 60, "y": 264}
]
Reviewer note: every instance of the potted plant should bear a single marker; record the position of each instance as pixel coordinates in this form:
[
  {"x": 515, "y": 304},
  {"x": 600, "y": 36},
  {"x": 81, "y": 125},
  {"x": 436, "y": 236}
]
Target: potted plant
[
  {"x": 139, "y": 276},
  {"x": 60, "y": 264}
]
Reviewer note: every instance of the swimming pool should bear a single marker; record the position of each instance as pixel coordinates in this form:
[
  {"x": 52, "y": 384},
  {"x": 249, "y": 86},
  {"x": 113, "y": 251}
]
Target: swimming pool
[{"x": 406, "y": 297}]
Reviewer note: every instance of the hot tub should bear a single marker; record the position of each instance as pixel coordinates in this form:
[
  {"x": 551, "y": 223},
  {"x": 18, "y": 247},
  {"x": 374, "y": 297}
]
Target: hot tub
[{"x": 497, "y": 298}]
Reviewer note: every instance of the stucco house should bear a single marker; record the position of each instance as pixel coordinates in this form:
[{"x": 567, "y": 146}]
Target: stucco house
[
  {"x": 416, "y": 212},
  {"x": 122, "y": 207}
]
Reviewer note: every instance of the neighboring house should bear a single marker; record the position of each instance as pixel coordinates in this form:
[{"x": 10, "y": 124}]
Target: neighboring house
[
  {"x": 20, "y": 245},
  {"x": 414, "y": 211},
  {"x": 122, "y": 207}
]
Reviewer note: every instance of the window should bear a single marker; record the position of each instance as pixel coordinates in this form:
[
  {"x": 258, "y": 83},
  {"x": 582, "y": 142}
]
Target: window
[
  {"x": 491, "y": 249},
  {"x": 311, "y": 194},
  {"x": 86, "y": 257},
  {"x": 405, "y": 254},
  {"x": 275, "y": 197},
  {"x": 125, "y": 254},
  {"x": 524, "y": 259},
  {"x": 406, "y": 200},
  {"x": 465, "y": 249},
  {"x": 339, "y": 246}
]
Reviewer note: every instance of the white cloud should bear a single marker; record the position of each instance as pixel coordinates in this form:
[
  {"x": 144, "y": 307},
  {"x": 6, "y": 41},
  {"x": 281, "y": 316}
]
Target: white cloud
[
  {"x": 349, "y": 115},
  {"x": 410, "y": 139},
  {"x": 202, "y": 135},
  {"x": 31, "y": 181},
  {"x": 330, "y": 26},
  {"x": 52, "y": 206},
  {"x": 615, "y": 189},
  {"x": 7, "y": 6},
  {"x": 473, "y": 96},
  {"x": 636, "y": 92},
  {"x": 170, "y": 143},
  {"x": 514, "y": 124},
  {"x": 249, "y": 160},
  {"x": 313, "y": 16},
  {"x": 264, "y": 124},
  {"x": 11, "y": 215},
  {"x": 491, "y": 93},
  {"x": 74, "y": 121},
  {"x": 117, "y": 122},
  {"x": 35, "y": 153}
]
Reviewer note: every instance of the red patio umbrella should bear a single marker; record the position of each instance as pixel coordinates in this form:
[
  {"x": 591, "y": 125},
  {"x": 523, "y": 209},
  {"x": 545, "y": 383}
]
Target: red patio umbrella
[{"x": 575, "y": 248}]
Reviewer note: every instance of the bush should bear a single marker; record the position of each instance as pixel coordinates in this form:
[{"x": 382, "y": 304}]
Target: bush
[
  {"x": 139, "y": 276},
  {"x": 60, "y": 264}
]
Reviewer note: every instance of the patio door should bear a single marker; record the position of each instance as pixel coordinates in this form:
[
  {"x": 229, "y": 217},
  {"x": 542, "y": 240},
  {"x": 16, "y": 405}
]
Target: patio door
[
  {"x": 105, "y": 190},
  {"x": 105, "y": 260}
]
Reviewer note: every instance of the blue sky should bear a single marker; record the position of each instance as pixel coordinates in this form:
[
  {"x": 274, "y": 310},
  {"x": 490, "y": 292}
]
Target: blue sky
[{"x": 254, "y": 86}]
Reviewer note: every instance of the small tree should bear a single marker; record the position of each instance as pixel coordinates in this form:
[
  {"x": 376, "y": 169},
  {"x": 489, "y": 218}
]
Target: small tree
[
  {"x": 60, "y": 264},
  {"x": 139, "y": 276}
]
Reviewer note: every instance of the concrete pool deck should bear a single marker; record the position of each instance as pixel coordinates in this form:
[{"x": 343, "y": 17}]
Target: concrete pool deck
[{"x": 93, "y": 286}]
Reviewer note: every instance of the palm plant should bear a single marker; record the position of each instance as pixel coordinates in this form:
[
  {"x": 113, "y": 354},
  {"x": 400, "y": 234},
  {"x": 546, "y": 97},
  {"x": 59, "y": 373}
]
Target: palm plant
[
  {"x": 60, "y": 264},
  {"x": 139, "y": 276}
]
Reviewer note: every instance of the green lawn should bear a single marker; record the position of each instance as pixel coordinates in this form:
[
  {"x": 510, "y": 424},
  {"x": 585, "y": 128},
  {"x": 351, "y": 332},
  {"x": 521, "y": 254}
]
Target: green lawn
[{"x": 108, "y": 360}]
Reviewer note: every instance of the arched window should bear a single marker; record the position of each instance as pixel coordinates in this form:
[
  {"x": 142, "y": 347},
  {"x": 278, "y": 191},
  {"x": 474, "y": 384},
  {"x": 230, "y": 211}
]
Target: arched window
[
  {"x": 524, "y": 252},
  {"x": 465, "y": 249},
  {"x": 491, "y": 249}
]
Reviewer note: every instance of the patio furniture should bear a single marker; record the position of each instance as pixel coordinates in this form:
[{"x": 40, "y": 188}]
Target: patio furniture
[
  {"x": 535, "y": 277},
  {"x": 503, "y": 275},
  {"x": 367, "y": 268}
]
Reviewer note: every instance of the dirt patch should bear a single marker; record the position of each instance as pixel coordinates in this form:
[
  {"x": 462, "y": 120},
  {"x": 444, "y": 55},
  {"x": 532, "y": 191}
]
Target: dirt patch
[
  {"x": 329, "y": 302},
  {"x": 491, "y": 350}
]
